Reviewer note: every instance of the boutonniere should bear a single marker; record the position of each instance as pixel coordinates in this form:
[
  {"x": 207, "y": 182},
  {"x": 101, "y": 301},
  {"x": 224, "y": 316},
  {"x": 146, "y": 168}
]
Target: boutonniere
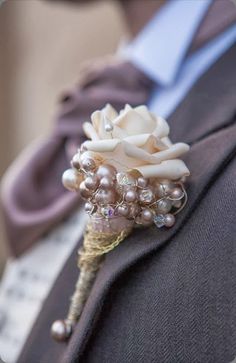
[{"x": 130, "y": 174}]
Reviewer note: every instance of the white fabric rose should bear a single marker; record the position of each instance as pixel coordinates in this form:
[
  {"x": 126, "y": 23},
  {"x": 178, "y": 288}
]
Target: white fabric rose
[{"x": 135, "y": 139}]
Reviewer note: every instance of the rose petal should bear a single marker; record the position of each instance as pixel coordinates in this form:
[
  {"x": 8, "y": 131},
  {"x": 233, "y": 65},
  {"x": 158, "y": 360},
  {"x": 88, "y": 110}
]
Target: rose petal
[
  {"x": 133, "y": 123},
  {"x": 110, "y": 112},
  {"x": 168, "y": 169},
  {"x": 102, "y": 145},
  {"x": 162, "y": 129},
  {"x": 89, "y": 131},
  {"x": 173, "y": 152}
]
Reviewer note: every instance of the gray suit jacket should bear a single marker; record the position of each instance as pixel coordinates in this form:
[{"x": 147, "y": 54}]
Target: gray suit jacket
[{"x": 166, "y": 295}]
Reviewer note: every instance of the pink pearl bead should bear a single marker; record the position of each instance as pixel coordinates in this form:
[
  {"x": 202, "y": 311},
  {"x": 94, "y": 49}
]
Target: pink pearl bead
[
  {"x": 134, "y": 210},
  {"x": 91, "y": 182},
  {"x": 146, "y": 215},
  {"x": 169, "y": 220},
  {"x": 75, "y": 162},
  {"x": 131, "y": 196},
  {"x": 106, "y": 182},
  {"x": 71, "y": 180},
  {"x": 89, "y": 207},
  {"x": 88, "y": 164},
  {"x": 105, "y": 197},
  {"x": 142, "y": 182},
  {"x": 123, "y": 210},
  {"x": 176, "y": 193},
  {"x": 106, "y": 170},
  {"x": 84, "y": 192}
]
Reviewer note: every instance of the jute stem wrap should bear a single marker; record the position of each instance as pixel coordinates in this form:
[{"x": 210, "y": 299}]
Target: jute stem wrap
[{"x": 95, "y": 246}]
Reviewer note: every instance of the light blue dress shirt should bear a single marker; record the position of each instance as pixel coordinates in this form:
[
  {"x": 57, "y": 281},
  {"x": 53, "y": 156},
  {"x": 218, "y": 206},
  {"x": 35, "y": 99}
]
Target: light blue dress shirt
[{"x": 160, "y": 49}]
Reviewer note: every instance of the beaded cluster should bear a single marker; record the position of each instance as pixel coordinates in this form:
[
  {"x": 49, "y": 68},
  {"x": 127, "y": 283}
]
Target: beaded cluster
[{"x": 110, "y": 193}]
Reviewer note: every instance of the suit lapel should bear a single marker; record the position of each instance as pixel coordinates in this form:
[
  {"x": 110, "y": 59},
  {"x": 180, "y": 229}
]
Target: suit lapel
[{"x": 209, "y": 109}]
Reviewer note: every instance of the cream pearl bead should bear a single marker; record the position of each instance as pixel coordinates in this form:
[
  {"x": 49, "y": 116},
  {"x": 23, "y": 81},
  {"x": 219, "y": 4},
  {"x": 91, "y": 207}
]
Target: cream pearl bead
[
  {"x": 105, "y": 197},
  {"x": 176, "y": 194},
  {"x": 91, "y": 182},
  {"x": 164, "y": 206},
  {"x": 61, "y": 330},
  {"x": 134, "y": 210},
  {"x": 106, "y": 182},
  {"x": 142, "y": 182},
  {"x": 84, "y": 192},
  {"x": 89, "y": 207},
  {"x": 123, "y": 210},
  {"x": 71, "y": 180},
  {"x": 146, "y": 215},
  {"x": 131, "y": 196},
  {"x": 169, "y": 220},
  {"x": 75, "y": 162},
  {"x": 88, "y": 164},
  {"x": 106, "y": 170}
]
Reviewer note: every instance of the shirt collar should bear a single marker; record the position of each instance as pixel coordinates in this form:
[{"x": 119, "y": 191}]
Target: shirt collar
[{"x": 160, "y": 48}]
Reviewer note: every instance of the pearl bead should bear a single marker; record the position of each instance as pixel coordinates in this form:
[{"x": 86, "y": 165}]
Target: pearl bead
[
  {"x": 164, "y": 206},
  {"x": 176, "y": 194},
  {"x": 105, "y": 197},
  {"x": 108, "y": 127},
  {"x": 84, "y": 192},
  {"x": 123, "y": 210},
  {"x": 91, "y": 182},
  {"x": 142, "y": 182},
  {"x": 146, "y": 215},
  {"x": 88, "y": 164},
  {"x": 75, "y": 162},
  {"x": 61, "y": 330},
  {"x": 177, "y": 203},
  {"x": 131, "y": 196},
  {"x": 134, "y": 210},
  {"x": 106, "y": 182},
  {"x": 164, "y": 188},
  {"x": 89, "y": 207},
  {"x": 71, "y": 180},
  {"x": 106, "y": 170},
  {"x": 169, "y": 220}
]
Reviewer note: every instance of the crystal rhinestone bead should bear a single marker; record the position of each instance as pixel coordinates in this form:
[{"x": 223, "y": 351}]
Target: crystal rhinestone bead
[
  {"x": 146, "y": 196},
  {"x": 159, "y": 220},
  {"x": 107, "y": 212},
  {"x": 124, "y": 179}
]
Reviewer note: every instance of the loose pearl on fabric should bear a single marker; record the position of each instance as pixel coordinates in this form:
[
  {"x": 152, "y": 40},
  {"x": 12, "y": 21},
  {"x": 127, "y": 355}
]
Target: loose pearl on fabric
[
  {"x": 123, "y": 210},
  {"x": 176, "y": 193},
  {"x": 169, "y": 220},
  {"x": 142, "y": 182},
  {"x": 88, "y": 164},
  {"x": 91, "y": 182},
  {"x": 61, "y": 330},
  {"x": 106, "y": 170},
  {"x": 131, "y": 196},
  {"x": 71, "y": 180},
  {"x": 106, "y": 182},
  {"x": 164, "y": 206},
  {"x": 84, "y": 192}
]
